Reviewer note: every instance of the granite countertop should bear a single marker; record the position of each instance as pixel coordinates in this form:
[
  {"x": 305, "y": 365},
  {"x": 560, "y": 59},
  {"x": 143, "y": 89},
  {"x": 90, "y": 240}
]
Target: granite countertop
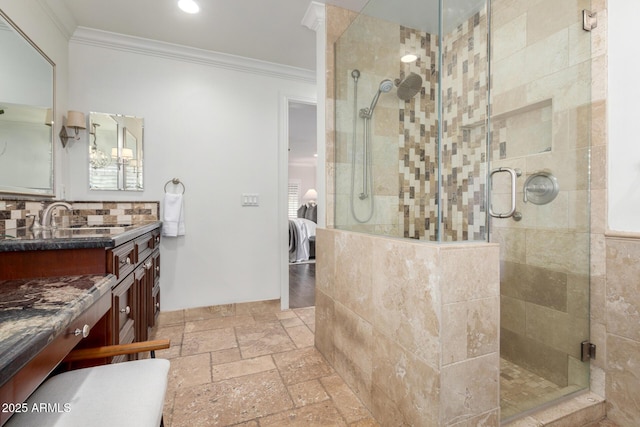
[
  {"x": 33, "y": 312},
  {"x": 74, "y": 237}
]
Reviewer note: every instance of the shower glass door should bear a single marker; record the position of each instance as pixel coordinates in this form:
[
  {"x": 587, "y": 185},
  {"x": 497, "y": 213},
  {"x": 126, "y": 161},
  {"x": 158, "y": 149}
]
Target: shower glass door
[
  {"x": 482, "y": 135},
  {"x": 540, "y": 126}
]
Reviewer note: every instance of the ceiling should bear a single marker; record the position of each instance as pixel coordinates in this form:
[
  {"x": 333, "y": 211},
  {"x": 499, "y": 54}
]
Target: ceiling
[{"x": 267, "y": 30}]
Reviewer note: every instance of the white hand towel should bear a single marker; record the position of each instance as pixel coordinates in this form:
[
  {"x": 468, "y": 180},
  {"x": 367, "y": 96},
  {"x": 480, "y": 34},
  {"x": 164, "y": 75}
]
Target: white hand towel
[{"x": 173, "y": 215}]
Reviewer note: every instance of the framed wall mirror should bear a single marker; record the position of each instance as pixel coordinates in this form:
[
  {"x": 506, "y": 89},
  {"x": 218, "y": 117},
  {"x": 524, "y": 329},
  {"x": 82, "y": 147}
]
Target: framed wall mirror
[
  {"x": 27, "y": 99},
  {"x": 115, "y": 152}
]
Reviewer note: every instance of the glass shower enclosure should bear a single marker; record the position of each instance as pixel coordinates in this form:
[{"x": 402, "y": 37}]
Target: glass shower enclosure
[{"x": 469, "y": 120}]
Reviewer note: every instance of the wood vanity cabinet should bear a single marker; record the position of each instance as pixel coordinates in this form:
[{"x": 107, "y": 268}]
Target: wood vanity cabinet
[{"x": 136, "y": 297}]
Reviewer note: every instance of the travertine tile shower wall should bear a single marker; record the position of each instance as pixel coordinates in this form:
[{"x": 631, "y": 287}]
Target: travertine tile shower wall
[
  {"x": 414, "y": 335},
  {"x": 371, "y": 46}
]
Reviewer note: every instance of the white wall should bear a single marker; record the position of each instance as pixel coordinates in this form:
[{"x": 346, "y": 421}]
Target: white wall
[
  {"x": 216, "y": 128},
  {"x": 624, "y": 115}
]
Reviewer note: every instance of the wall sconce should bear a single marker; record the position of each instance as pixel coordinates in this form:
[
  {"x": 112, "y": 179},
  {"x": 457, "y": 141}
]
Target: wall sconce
[
  {"x": 48, "y": 117},
  {"x": 310, "y": 196},
  {"x": 75, "y": 120}
]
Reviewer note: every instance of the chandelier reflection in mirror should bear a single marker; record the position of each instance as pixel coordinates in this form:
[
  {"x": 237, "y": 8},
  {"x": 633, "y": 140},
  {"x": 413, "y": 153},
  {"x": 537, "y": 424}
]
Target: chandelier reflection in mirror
[
  {"x": 116, "y": 152},
  {"x": 97, "y": 158}
]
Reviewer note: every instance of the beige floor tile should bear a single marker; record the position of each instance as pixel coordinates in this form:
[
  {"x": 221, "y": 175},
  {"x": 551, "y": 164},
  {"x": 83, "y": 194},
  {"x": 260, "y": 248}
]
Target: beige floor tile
[
  {"x": 263, "y": 338},
  {"x": 173, "y": 333},
  {"x": 301, "y": 336},
  {"x": 231, "y": 401},
  {"x": 320, "y": 414},
  {"x": 365, "y": 422},
  {"x": 170, "y": 353},
  {"x": 225, "y": 356},
  {"x": 271, "y": 306},
  {"x": 287, "y": 314},
  {"x": 307, "y": 314},
  {"x": 291, "y": 321},
  {"x": 307, "y": 393},
  {"x": 206, "y": 341},
  {"x": 202, "y": 313},
  {"x": 255, "y": 368},
  {"x": 166, "y": 318},
  {"x": 241, "y": 368},
  {"x": 189, "y": 371},
  {"x": 218, "y": 323},
  {"x": 265, "y": 317},
  {"x": 302, "y": 365}
]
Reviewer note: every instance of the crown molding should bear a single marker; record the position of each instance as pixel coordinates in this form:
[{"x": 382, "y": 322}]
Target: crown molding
[
  {"x": 142, "y": 46},
  {"x": 314, "y": 16}
]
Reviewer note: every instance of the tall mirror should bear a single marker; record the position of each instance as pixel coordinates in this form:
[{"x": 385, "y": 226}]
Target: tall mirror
[
  {"x": 115, "y": 152},
  {"x": 27, "y": 95}
]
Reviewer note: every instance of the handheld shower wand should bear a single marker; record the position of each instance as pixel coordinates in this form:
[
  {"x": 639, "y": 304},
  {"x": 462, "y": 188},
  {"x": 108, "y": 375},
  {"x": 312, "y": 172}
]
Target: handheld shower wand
[{"x": 385, "y": 86}]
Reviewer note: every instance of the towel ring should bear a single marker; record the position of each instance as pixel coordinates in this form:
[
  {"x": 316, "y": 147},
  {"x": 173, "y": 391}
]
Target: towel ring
[{"x": 175, "y": 181}]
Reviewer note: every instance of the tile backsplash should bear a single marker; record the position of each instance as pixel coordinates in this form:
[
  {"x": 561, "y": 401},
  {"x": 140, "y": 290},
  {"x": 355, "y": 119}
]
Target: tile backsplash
[{"x": 13, "y": 213}]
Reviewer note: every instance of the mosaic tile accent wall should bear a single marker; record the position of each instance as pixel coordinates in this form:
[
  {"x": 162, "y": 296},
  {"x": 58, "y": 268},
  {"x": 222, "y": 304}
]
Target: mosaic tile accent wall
[
  {"x": 463, "y": 151},
  {"x": 418, "y": 155},
  {"x": 13, "y": 213},
  {"x": 464, "y": 115}
]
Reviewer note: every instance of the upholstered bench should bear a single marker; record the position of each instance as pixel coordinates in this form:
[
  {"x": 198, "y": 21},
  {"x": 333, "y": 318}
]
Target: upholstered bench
[{"x": 120, "y": 394}]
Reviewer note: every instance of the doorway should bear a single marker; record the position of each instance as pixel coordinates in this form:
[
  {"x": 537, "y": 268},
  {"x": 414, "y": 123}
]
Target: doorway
[{"x": 301, "y": 202}]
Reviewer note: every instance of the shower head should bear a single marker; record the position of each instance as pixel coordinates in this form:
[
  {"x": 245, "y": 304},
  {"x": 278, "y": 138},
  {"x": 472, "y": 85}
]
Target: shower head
[
  {"x": 385, "y": 86},
  {"x": 409, "y": 86}
]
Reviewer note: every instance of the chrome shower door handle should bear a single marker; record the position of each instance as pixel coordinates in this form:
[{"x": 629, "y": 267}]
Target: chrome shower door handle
[{"x": 514, "y": 173}]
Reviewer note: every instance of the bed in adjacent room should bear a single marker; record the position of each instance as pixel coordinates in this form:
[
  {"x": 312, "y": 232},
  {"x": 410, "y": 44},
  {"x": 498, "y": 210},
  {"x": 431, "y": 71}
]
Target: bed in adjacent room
[{"x": 302, "y": 234}]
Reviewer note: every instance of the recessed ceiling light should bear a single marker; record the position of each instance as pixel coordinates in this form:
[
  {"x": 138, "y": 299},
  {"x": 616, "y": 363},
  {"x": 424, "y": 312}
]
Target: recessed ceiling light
[
  {"x": 409, "y": 57},
  {"x": 189, "y": 6}
]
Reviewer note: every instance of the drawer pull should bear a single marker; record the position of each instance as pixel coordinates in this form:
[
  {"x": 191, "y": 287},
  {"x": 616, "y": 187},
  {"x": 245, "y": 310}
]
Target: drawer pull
[
  {"x": 127, "y": 261},
  {"x": 125, "y": 310},
  {"x": 157, "y": 239},
  {"x": 158, "y": 269},
  {"x": 84, "y": 331},
  {"x": 148, "y": 265}
]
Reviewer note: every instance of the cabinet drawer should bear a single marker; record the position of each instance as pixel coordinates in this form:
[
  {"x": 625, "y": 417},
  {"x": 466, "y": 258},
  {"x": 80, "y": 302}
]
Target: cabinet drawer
[
  {"x": 154, "y": 311},
  {"x": 156, "y": 268},
  {"x": 145, "y": 245},
  {"x": 122, "y": 260},
  {"x": 124, "y": 307}
]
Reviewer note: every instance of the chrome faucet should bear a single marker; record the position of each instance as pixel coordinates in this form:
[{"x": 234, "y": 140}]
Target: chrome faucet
[{"x": 45, "y": 218}]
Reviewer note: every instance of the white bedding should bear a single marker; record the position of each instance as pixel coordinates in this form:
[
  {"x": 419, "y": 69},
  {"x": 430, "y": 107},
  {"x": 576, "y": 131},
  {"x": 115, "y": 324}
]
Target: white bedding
[{"x": 299, "y": 241}]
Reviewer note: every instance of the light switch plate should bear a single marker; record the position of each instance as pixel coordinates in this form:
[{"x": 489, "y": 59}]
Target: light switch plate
[{"x": 250, "y": 199}]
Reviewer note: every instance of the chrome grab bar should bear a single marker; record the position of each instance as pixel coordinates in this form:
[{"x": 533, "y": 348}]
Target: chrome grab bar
[{"x": 514, "y": 174}]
